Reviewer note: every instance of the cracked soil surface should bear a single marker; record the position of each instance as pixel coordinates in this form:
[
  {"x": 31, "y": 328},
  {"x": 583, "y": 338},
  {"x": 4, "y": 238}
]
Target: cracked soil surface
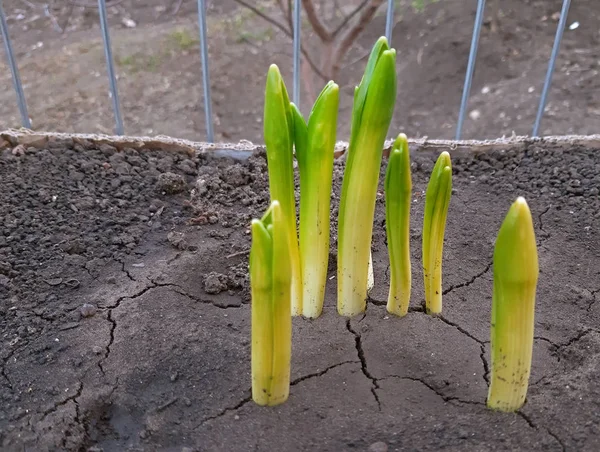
[{"x": 124, "y": 314}]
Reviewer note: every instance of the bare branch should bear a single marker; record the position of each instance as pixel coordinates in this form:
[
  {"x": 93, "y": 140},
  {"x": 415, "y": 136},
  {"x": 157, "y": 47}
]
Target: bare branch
[
  {"x": 318, "y": 26},
  {"x": 287, "y": 32},
  {"x": 286, "y": 10},
  {"x": 349, "y": 17},
  {"x": 52, "y": 18},
  {"x": 356, "y": 60},
  {"x": 350, "y": 36},
  {"x": 289, "y": 14},
  {"x": 264, "y": 16},
  {"x": 176, "y": 8}
]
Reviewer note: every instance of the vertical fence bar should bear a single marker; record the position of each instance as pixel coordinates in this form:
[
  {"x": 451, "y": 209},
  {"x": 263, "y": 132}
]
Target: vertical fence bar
[
  {"x": 110, "y": 67},
  {"x": 205, "y": 72},
  {"x": 296, "y": 94},
  {"x": 548, "y": 81},
  {"x": 10, "y": 56},
  {"x": 470, "y": 66},
  {"x": 389, "y": 21}
]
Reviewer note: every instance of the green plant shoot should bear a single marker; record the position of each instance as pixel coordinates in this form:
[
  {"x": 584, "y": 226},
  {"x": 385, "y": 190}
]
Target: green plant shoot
[
  {"x": 279, "y": 141},
  {"x": 270, "y": 287},
  {"x": 437, "y": 201},
  {"x": 374, "y": 101},
  {"x": 315, "y": 145},
  {"x": 398, "y": 193},
  {"x": 516, "y": 273}
]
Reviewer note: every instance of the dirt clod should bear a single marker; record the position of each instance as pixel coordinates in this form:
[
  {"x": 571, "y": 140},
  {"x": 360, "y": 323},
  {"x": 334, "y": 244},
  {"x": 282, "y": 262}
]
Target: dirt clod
[
  {"x": 170, "y": 183},
  {"x": 177, "y": 239},
  {"x": 215, "y": 283}
]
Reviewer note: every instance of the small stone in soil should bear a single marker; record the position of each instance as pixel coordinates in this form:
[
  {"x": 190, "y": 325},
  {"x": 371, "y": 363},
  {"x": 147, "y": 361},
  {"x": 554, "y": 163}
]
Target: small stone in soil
[
  {"x": 97, "y": 349},
  {"x": 88, "y": 310},
  {"x": 379, "y": 446},
  {"x": 170, "y": 183}
]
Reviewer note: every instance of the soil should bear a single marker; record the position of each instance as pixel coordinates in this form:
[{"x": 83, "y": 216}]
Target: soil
[
  {"x": 124, "y": 308},
  {"x": 157, "y": 61}
]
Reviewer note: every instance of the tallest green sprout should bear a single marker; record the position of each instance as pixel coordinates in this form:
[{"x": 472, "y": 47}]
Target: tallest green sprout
[
  {"x": 374, "y": 101},
  {"x": 279, "y": 141}
]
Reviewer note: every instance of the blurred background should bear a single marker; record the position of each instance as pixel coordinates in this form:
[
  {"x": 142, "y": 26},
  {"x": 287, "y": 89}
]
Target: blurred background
[{"x": 59, "y": 52}]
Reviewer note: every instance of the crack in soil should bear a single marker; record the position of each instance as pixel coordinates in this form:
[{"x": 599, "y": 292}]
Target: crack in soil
[
  {"x": 89, "y": 272},
  {"x": 546, "y": 234},
  {"x": 470, "y": 281},
  {"x": 541, "y": 215},
  {"x": 3, "y": 372},
  {"x": 593, "y": 293},
  {"x": 5, "y": 362},
  {"x": 152, "y": 286},
  {"x": 531, "y": 424},
  {"x": 444, "y": 397},
  {"x": 181, "y": 291},
  {"x": 571, "y": 341},
  {"x": 558, "y": 440},
  {"x": 113, "y": 322},
  {"x": 72, "y": 398},
  {"x": 322, "y": 372},
  {"x": 545, "y": 339},
  {"x": 486, "y": 367},
  {"x": 124, "y": 270},
  {"x": 363, "y": 362},
  {"x": 223, "y": 412},
  {"x": 248, "y": 399}
]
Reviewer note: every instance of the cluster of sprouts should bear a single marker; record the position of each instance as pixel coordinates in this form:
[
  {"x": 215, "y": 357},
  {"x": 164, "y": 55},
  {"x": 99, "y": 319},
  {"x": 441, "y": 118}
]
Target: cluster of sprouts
[{"x": 288, "y": 265}]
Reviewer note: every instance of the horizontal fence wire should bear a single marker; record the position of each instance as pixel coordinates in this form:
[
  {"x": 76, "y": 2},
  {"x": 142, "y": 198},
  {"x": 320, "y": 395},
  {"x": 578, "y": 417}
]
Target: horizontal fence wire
[{"x": 389, "y": 24}]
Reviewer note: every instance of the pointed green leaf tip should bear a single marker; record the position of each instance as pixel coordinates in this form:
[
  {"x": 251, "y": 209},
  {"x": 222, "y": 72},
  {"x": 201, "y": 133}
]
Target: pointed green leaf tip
[
  {"x": 315, "y": 144},
  {"x": 271, "y": 328},
  {"x": 380, "y": 46},
  {"x": 360, "y": 92},
  {"x": 516, "y": 273},
  {"x": 300, "y": 134},
  {"x": 277, "y": 111},
  {"x": 323, "y": 115},
  {"x": 515, "y": 254},
  {"x": 398, "y": 192},
  {"x": 437, "y": 201},
  {"x": 398, "y": 163},
  {"x": 374, "y": 101},
  {"x": 279, "y": 141}
]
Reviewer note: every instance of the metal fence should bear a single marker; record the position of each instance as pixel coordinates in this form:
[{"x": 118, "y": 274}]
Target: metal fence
[{"x": 119, "y": 128}]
